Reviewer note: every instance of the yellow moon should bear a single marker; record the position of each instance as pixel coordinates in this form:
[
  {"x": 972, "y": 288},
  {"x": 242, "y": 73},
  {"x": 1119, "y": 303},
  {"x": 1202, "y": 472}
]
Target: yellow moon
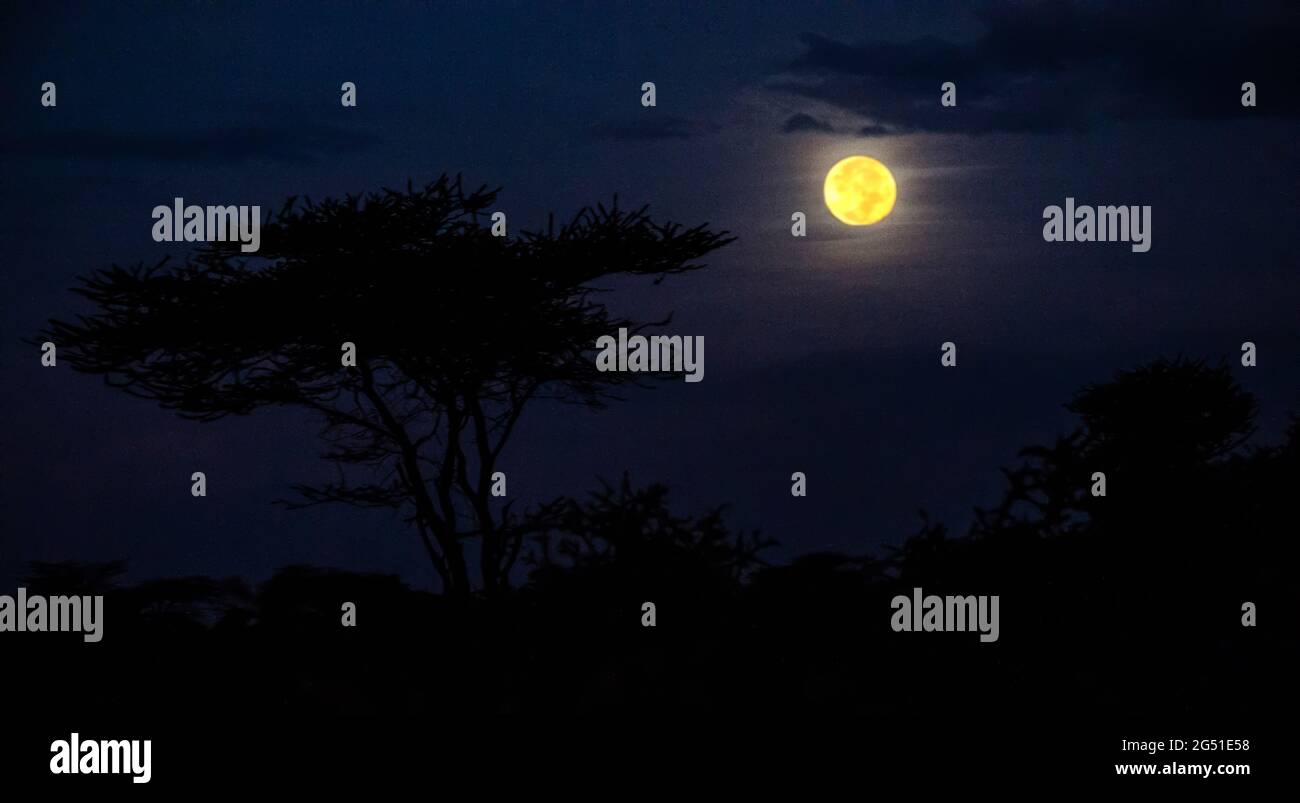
[{"x": 860, "y": 191}]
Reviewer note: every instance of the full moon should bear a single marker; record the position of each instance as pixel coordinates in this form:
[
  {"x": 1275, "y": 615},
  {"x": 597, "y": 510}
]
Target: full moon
[{"x": 860, "y": 191}]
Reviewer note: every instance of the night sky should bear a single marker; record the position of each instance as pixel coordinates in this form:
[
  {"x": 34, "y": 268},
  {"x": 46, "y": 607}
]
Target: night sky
[{"x": 822, "y": 353}]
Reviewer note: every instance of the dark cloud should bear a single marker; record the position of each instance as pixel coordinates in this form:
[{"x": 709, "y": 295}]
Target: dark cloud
[
  {"x": 805, "y": 122},
  {"x": 652, "y": 126},
  {"x": 245, "y": 144},
  {"x": 1048, "y": 67},
  {"x": 877, "y": 131}
]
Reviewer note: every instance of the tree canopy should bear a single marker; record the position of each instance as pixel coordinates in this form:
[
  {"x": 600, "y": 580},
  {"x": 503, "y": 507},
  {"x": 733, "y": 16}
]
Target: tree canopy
[{"x": 455, "y": 331}]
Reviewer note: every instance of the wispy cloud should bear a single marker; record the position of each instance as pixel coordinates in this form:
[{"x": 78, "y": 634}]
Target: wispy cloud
[
  {"x": 232, "y": 145},
  {"x": 652, "y": 126},
  {"x": 801, "y": 122}
]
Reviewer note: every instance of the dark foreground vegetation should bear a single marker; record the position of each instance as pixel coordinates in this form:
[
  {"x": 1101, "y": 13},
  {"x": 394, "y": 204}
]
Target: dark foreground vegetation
[{"x": 1121, "y": 617}]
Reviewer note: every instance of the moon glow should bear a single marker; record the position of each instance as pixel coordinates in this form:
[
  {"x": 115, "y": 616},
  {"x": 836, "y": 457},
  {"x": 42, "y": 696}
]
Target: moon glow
[{"x": 860, "y": 191}]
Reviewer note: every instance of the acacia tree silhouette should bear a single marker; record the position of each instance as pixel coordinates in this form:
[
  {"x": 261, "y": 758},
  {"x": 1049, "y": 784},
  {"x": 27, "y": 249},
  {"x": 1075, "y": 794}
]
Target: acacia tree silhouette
[{"x": 455, "y": 330}]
